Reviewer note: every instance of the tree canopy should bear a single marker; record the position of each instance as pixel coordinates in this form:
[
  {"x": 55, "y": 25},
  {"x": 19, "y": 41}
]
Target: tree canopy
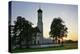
[
  {"x": 58, "y": 29},
  {"x": 22, "y": 31}
]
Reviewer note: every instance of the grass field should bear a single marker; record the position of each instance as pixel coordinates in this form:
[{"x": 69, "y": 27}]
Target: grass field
[{"x": 64, "y": 47}]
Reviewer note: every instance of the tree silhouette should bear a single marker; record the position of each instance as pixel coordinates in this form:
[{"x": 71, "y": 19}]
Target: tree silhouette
[
  {"x": 22, "y": 32},
  {"x": 58, "y": 29}
]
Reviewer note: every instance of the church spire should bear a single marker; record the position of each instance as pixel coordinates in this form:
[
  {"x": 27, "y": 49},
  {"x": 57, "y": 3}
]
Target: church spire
[{"x": 39, "y": 10}]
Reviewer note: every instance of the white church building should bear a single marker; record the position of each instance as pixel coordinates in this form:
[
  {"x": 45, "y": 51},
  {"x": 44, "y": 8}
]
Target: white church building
[{"x": 39, "y": 39}]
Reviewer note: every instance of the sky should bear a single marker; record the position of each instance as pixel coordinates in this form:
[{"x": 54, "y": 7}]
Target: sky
[{"x": 68, "y": 13}]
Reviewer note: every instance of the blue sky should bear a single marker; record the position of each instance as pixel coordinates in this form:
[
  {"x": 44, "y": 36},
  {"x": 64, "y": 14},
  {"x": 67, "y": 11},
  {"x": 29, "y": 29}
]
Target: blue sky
[{"x": 68, "y": 13}]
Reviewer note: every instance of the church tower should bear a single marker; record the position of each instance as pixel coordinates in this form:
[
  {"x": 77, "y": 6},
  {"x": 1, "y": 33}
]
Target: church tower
[{"x": 40, "y": 24}]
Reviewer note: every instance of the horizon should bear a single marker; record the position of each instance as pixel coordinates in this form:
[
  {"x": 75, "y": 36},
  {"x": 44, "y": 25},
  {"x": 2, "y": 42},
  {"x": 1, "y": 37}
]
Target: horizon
[{"x": 68, "y": 13}]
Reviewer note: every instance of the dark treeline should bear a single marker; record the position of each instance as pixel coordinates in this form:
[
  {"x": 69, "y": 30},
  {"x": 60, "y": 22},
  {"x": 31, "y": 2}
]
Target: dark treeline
[
  {"x": 22, "y": 33},
  {"x": 70, "y": 41}
]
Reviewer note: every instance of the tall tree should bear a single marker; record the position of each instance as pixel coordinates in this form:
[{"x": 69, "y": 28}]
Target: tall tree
[
  {"x": 58, "y": 29},
  {"x": 22, "y": 31}
]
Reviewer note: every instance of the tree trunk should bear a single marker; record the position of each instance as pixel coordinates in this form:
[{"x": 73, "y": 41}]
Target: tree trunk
[
  {"x": 56, "y": 40},
  {"x": 20, "y": 43},
  {"x": 62, "y": 41},
  {"x": 53, "y": 40}
]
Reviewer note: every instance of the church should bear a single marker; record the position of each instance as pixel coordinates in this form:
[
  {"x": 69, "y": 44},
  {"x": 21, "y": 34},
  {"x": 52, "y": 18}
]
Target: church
[{"x": 39, "y": 39}]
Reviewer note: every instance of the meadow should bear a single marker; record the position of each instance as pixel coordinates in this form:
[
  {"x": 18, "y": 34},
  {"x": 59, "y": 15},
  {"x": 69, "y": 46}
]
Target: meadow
[{"x": 65, "y": 46}]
